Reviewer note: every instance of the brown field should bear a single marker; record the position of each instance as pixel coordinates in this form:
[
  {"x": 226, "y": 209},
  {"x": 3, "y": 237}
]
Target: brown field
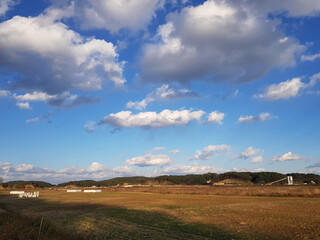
[
  {"x": 171, "y": 213},
  {"x": 266, "y": 191}
]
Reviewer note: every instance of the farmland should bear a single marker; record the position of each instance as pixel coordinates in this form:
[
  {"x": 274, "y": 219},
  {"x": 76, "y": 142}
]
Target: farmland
[{"x": 148, "y": 215}]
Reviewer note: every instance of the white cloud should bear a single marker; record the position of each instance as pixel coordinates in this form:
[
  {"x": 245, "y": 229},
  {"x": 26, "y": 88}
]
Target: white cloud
[
  {"x": 259, "y": 118},
  {"x": 5, "y": 169},
  {"x": 4, "y": 93},
  {"x": 288, "y": 89},
  {"x": 188, "y": 169},
  {"x": 90, "y": 126},
  {"x": 28, "y": 168},
  {"x": 174, "y": 151},
  {"x": 158, "y": 148},
  {"x": 217, "y": 41},
  {"x": 166, "y": 118},
  {"x": 37, "y": 119},
  {"x": 310, "y": 57},
  {"x": 163, "y": 93},
  {"x": 241, "y": 169},
  {"x": 155, "y": 149},
  {"x": 249, "y": 153},
  {"x": 5, "y": 5},
  {"x": 95, "y": 171},
  {"x": 289, "y": 156},
  {"x": 124, "y": 170},
  {"x": 34, "y": 96},
  {"x": 215, "y": 117},
  {"x": 113, "y": 15},
  {"x": 149, "y": 160},
  {"x": 53, "y": 59},
  {"x": 257, "y": 159},
  {"x": 23, "y": 105},
  {"x": 211, "y": 150},
  {"x": 63, "y": 100}
]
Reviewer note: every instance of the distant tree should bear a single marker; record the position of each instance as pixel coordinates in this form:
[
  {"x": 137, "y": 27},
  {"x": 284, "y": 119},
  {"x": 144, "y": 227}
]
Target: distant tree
[
  {"x": 1, "y": 180},
  {"x": 5, "y": 185}
]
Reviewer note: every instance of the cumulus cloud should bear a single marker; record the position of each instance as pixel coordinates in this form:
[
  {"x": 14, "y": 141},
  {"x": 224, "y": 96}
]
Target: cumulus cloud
[
  {"x": 5, "y": 6},
  {"x": 149, "y": 160},
  {"x": 211, "y": 150},
  {"x": 249, "y": 153},
  {"x": 114, "y": 15},
  {"x": 287, "y": 157},
  {"x": 40, "y": 118},
  {"x": 188, "y": 169},
  {"x": 215, "y": 117},
  {"x": 166, "y": 118},
  {"x": 95, "y": 171},
  {"x": 287, "y": 89},
  {"x": 50, "y": 58},
  {"x": 218, "y": 41},
  {"x": 257, "y": 159},
  {"x": 23, "y": 105},
  {"x": 311, "y": 58},
  {"x": 259, "y": 118},
  {"x": 163, "y": 93}
]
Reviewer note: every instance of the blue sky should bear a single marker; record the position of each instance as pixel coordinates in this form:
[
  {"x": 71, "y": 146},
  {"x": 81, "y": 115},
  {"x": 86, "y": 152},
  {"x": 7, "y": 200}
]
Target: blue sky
[{"x": 100, "y": 89}]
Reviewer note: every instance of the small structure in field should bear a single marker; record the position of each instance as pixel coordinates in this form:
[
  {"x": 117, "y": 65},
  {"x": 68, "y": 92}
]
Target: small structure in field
[
  {"x": 231, "y": 182},
  {"x": 73, "y": 190},
  {"x": 290, "y": 180},
  {"x": 16, "y": 192},
  {"x": 92, "y": 191},
  {"x": 29, "y": 195}
]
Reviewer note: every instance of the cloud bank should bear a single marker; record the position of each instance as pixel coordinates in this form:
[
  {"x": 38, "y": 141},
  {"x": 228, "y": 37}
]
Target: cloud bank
[
  {"x": 166, "y": 118},
  {"x": 230, "y": 41},
  {"x": 53, "y": 59},
  {"x": 95, "y": 171}
]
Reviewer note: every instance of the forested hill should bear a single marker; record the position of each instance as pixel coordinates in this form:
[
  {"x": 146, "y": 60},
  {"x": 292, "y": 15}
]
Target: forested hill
[
  {"x": 192, "y": 179},
  {"x": 23, "y": 184},
  {"x": 199, "y": 179}
]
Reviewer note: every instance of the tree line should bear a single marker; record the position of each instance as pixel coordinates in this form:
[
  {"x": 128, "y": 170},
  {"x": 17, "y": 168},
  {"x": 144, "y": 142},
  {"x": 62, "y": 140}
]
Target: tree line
[{"x": 190, "y": 179}]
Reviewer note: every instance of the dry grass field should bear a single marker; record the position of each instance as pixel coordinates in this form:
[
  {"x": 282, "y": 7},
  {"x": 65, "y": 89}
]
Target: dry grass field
[
  {"x": 265, "y": 191},
  {"x": 143, "y": 214}
]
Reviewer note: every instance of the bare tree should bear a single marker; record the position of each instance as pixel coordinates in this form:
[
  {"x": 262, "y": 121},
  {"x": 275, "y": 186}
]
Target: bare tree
[{"x": 1, "y": 180}]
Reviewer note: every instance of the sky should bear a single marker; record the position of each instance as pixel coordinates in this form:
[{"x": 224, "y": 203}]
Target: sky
[{"x": 96, "y": 89}]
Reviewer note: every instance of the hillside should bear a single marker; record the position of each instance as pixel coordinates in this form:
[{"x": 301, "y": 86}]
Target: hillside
[
  {"x": 199, "y": 179},
  {"x": 22, "y": 184},
  {"x": 190, "y": 179}
]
